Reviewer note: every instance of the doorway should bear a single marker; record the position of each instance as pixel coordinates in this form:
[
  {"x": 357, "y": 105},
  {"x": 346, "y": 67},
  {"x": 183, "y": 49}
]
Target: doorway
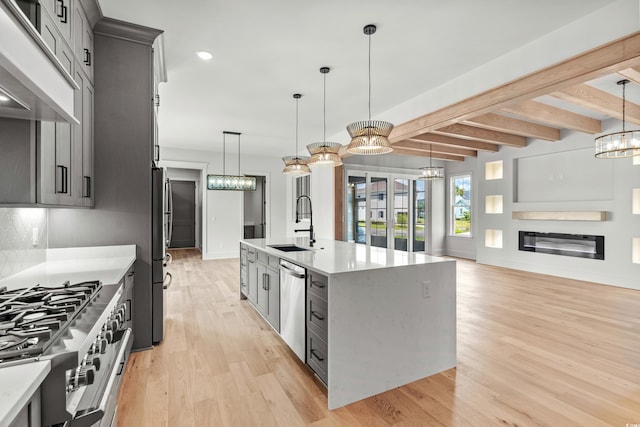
[
  {"x": 183, "y": 227},
  {"x": 255, "y": 211}
]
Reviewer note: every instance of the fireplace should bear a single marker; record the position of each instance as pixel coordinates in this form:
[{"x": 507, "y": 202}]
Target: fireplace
[{"x": 577, "y": 245}]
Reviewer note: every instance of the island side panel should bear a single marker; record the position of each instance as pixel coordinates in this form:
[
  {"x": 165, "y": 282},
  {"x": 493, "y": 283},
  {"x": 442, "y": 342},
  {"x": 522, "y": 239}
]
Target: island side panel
[{"x": 385, "y": 331}]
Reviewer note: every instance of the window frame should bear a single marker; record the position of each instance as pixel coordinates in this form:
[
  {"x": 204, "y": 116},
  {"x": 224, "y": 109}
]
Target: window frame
[{"x": 452, "y": 206}]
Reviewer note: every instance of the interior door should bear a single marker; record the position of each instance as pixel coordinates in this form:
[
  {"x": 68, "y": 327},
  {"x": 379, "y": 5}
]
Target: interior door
[
  {"x": 378, "y": 211},
  {"x": 400, "y": 219},
  {"x": 357, "y": 209},
  {"x": 183, "y": 233}
]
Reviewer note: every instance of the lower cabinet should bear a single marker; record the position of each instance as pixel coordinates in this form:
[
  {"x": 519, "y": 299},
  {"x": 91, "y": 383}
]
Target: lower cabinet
[
  {"x": 317, "y": 323},
  {"x": 29, "y": 415},
  {"x": 260, "y": 283}
]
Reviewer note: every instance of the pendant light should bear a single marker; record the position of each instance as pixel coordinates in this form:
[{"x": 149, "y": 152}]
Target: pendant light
[
  {"x": 324, "y": 153},
  {"x": 622, "y": 144},
  {"x": 431, "y": 172},
  {"x": 369, "y": 137},
  {"x": 230, "y": 182},
  {"x": 296, "y": 165}
]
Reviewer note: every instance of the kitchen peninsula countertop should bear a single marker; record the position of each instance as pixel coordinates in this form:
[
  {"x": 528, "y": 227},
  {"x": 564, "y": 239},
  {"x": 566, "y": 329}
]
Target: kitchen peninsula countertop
[
  {"x": 105, "y": 263},
  {"x": 334, "y": 256}
]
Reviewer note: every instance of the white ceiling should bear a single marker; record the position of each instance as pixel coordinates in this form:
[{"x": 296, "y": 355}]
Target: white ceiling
[{"x": 264, "y": 51}]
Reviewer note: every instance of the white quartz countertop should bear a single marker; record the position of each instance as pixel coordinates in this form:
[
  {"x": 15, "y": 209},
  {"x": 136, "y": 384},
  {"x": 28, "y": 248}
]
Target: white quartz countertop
[
  {"x": 18, "y": 385},
  {"x": 105, "y": 263},
  {"x": 334, "y": 256}
]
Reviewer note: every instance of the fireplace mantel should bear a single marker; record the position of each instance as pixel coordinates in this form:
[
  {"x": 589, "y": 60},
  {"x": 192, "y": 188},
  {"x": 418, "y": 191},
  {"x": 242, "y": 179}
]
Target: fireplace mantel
[{"x": 560, "y": 215}]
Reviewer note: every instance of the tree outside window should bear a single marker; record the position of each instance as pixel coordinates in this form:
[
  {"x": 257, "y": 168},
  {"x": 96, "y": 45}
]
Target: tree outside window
[{"x": 461, "y": 205}]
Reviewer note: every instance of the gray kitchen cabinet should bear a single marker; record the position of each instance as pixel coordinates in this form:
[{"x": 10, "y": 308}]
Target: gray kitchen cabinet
[
  {"x": 244, "y": 275},
  {"x": 54, "y": 164},
  {"x": 264, "y": 285},
  {"x": 129, "y": 282},
  {"x": 61, "y": 12},
  {"x": 29, "y": 415},
  {"x": 83, "y": 40},
  {"x": 317, "y": 323},
  {"x": 57, "y": 42},
  {"x": 83, "y": 138}
]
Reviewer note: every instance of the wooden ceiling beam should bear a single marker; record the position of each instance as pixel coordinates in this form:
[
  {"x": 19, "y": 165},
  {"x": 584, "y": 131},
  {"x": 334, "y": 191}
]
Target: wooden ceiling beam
[
  {"x": 479, "y": 134},
  {"x": 598, "y": 100},
  {"x": 606, "y": 59},
  {"x": 632, "y": 74},
  {"x": 421, "y": 153},
  {"x": 506, "y": 124},
  {"x": 436, "y": 148},
  {"x": 456, "y": 142},
  {"x": 555, "y": 116}
]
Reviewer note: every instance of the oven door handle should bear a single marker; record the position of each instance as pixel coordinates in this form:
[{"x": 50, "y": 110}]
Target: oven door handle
[{"x": 90, "y": 418}]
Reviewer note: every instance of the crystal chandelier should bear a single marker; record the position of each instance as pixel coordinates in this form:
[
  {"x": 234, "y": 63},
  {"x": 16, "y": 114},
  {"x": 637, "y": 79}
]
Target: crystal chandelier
[
  {"x": 230, "y": 182},
  {"x": 369, "y": 137},
  {"x": 296, "y": 165},
  {"x": 622, "y": 144},
  {"x": 431, "y": 172},
  {"x": 324, "y": 153}
]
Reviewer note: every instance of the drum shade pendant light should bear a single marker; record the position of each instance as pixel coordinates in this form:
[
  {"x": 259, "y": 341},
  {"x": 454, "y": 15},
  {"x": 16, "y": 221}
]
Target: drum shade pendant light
[
  {"x": 230, "y": 182},
  {"x": 622, "y": 144},
  {"x": 296, "y": 165},
  {"x": 324, "y": 153},
  {"x": 431, "y": 172},
  {"x": 369, "y": 137}
]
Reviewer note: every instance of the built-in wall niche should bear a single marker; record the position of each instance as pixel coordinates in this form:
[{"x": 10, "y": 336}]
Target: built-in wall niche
[
  {"x": 635, "y": 201},
  {"x": 636, "y": 160},
  {"x": 635, "y": 253},
  {"x": 493, "y": 238},
  {"x": 493, "y": 204},
  {"x": 493, "y": 170}
]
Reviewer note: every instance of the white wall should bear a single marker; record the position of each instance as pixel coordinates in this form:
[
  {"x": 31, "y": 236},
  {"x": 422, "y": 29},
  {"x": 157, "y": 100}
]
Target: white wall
[
  {"x": 224, "y": 208},
  {"x": 620, "y": 227}
]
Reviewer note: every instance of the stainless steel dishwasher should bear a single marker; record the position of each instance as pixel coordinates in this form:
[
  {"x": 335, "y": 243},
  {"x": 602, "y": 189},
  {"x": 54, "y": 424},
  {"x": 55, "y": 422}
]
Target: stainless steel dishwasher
[{"x": 292, "y": 307}]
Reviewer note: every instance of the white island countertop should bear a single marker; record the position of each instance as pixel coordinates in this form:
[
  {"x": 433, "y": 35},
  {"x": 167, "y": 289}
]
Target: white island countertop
[
  {"x": 105, "y": 263},
  {"x": 334, "y": 256}
]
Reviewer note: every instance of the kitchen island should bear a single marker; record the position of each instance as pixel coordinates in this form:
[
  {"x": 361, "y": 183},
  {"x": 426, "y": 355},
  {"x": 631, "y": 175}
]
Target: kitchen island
[{"x": 390, "y": 315}]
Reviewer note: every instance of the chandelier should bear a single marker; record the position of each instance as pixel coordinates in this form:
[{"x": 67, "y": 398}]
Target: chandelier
[
  {"x": 324, "y": 153},
  {"x": 230, "y": 182},
  {"x": 431, "y": 172},
  {"x": 296, "y": 165},
  {"x": 622, "y": 144},
  {"x": 369, "y": 137}
]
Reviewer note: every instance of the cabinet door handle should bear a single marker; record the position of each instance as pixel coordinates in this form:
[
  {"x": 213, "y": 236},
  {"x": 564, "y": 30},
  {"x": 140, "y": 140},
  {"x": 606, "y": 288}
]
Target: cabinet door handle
[
  {"x": 60, "y": 13},
  {"x": 63, "y": 179},
  {"x": 156, "y": 154},
  {"x": 157, "y": 100},
  {"x": 64, "y": 19},
  {"x": 268, "y": 281},
  {"x": 317, "y": 284},
  {"x": 87, "y": 57},
  {"x": 316, "y": 315},
  {"x": 264, "y": 281},
  {"x": 313, "y": 353},
  {"x": 87, "y": 186},
  {"x": 129, "y": 309}
]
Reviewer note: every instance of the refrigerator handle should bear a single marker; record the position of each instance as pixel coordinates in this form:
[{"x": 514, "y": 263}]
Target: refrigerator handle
[{"x": 170, "y": 220}]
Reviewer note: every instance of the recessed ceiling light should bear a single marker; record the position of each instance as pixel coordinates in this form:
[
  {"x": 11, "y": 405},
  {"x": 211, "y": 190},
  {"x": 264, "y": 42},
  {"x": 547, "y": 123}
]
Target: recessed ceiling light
[
  {"x": 203, "y": 54},
  {"x": 4, "y": 98}
]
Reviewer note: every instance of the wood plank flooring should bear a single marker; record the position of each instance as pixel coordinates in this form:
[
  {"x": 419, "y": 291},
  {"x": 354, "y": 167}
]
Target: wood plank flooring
[{"x": 533, "y": 350}]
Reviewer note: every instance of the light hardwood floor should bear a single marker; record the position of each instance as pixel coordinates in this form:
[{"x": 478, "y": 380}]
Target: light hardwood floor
[{"x": 533, "y": 350}]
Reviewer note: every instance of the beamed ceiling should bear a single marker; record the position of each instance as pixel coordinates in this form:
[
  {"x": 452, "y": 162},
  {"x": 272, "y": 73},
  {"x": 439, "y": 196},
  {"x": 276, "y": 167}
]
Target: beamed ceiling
[{"x": 516, "y": 112}]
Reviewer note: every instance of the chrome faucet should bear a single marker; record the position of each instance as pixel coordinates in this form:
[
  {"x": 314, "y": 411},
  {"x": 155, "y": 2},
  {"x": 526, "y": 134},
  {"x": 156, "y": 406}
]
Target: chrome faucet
[{"x": 312, "y": 237}]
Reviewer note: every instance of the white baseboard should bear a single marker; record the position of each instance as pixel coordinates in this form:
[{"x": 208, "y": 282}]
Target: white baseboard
[{"x": 221, "y": 255}]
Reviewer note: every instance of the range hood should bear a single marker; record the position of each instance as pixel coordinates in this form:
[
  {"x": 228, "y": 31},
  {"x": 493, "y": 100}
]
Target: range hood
[{"x": 33, "y": 83}]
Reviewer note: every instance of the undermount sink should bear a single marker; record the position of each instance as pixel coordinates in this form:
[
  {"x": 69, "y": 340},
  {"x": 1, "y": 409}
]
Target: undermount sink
[{"x": 289, "y": 248}]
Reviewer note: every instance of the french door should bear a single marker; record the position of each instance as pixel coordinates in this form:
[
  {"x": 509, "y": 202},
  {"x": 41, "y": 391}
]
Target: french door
[{"x": 386, "y": 210}]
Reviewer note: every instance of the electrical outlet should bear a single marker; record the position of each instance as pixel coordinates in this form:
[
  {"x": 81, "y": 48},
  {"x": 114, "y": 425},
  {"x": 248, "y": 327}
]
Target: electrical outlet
[
  {"x": 35, "y": 240},
  {"x": 425, "y": 290}
]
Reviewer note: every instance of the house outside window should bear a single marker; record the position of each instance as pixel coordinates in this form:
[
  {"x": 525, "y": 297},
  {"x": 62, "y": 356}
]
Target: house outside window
[{"x": 460, "y": 199}]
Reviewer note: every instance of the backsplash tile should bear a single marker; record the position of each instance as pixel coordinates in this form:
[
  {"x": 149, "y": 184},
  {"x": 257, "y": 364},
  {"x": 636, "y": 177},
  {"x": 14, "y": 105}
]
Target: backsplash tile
[{"x": 17, "y": 251}]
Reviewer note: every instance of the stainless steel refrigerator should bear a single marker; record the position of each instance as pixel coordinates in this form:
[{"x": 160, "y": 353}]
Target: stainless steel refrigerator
[{"x": 161, "y": 229}]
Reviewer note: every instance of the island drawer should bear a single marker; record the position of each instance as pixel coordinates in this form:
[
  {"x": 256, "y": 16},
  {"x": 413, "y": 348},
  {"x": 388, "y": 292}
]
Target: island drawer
[
  {"x": 317, "y": 355},
  {"x": 317, "y": 284},
  {"x": 317, "y": 315},
  {"x": 270, "y": 260},
  {"x": 263, "y": 257},
  {"x": 251, "y": 255}
]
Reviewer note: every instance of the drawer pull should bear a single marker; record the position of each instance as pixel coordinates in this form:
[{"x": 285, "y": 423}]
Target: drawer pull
[
  {"x": 317, "y": 284},
  {"x": 316, "y": 315},
  {"x": 313, "y": 354}
]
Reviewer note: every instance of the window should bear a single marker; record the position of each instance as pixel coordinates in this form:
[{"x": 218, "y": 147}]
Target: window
[
  {"x": 419, "y": 214},
  {"x": 302, "y": 187},
  {"x": 460, "y": 199}
]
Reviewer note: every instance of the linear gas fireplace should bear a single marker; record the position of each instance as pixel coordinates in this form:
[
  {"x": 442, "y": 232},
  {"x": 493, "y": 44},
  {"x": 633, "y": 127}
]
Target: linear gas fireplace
[{"x": 578, "y": 245}]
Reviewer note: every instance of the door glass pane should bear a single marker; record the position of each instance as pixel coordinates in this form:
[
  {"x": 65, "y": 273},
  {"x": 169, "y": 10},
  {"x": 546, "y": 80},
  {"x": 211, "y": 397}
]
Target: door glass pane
[
  {"x": 461, "y": 207},
  {"x": 419, "y": 215},
  {"x": 356, "y": 209},
  {"x": 378, "y": 212},
  {"x": 401, "y": 214}
]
